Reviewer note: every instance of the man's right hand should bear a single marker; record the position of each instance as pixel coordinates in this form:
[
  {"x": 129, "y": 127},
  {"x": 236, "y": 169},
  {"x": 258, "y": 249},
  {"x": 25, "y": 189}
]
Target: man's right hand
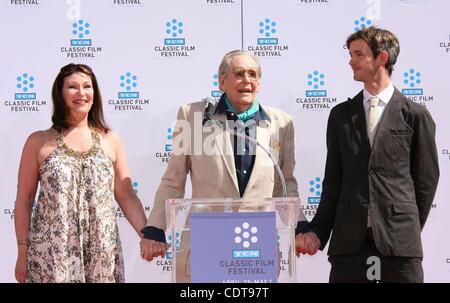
[
  {"x": 307, "y": 243},
  {"x": 151, "y": 249}
]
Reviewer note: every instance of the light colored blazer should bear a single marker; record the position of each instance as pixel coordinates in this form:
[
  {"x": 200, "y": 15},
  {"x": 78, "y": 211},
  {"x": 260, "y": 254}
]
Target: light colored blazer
[{"x": 214, "y": 176}]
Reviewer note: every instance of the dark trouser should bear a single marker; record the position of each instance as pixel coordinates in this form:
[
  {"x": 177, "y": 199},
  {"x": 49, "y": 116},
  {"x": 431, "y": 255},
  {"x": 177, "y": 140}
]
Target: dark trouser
[{"x": 368, "y": 265}]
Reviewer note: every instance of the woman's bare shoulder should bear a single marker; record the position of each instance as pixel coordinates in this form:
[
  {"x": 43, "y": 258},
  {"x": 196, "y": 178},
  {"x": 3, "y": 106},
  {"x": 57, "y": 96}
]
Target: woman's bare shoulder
[
  {"x": 41, "y": 137},
  {"x": 110, "y": 143},
  {"x": 42, "y": 143}
]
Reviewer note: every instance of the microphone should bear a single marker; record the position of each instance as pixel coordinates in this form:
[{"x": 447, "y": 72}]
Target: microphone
[
  {"x": 208, "y": 115},
  {"x": 210, "y": 107}
]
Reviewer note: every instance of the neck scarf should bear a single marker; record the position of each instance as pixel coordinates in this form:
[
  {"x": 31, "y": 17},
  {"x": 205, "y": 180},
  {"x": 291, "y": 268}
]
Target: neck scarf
[{"x": 248, "y": 114}]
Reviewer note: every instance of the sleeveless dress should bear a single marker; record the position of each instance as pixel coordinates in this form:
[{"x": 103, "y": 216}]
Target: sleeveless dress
[{"x": 73, "y": 233}]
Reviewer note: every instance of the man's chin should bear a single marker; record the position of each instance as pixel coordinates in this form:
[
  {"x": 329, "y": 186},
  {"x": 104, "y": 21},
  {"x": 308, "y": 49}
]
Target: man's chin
[
  {"x": 246, "y": 99},
  {"x": 246, "y": 102},
  {"x": 357, "y": 78}
]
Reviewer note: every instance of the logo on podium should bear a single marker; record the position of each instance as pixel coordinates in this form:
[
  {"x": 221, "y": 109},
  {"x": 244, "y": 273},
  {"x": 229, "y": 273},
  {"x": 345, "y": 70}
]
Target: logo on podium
[{"x": 234, "y": 247}]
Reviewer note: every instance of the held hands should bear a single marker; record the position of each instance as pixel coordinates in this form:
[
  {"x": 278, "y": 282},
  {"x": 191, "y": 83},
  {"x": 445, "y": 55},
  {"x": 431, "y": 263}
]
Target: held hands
[
  {"x": 307, "y": 243},
  {"x": 151, "y": 249}
]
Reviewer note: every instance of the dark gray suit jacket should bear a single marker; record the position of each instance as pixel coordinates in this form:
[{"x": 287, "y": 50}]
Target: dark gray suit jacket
[{"x": 397, "y": 178}]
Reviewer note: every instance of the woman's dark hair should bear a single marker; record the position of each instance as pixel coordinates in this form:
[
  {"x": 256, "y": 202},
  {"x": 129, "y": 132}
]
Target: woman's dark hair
[{"x": 60, "y": 110}]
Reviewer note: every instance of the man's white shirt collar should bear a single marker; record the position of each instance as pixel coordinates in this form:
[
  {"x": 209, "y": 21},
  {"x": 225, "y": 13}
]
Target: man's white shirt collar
[{"x": 385, "y": 95}]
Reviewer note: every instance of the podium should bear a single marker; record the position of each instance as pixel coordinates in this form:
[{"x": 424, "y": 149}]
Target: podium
[{"x": 233, "y": 240}]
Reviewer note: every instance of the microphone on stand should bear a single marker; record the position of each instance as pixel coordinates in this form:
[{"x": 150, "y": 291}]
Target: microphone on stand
[{"x": 210, "y": 107}]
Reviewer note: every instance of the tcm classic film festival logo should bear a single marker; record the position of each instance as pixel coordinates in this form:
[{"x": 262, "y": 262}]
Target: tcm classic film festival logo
[
  {"x": 413, "y": 87},
  {"x": 247, "y": 252},
  {"x": 221, "y": 2},
  {"x": 316, "y": 96},
  {"x": 119, "y": 212},
  {"x": 313, "y": 199},
  {"x": 447, "y": 262},
  {"x": 313, "y": 2},
  {"x": 215, "y": 91},
  {"x": 358, "y": 24},
  {"x": 24, "y": 3},
  {"x": 25, "y": 96},
  {"x": 164, "y": 155},
  {"x": 128, "y": 3},
  {"x": 174, "y": 45},
  {"x": 267, "y": 43},
  {"x": 128, "y": 97},
  {"x": 284, "y": 257},
  {"x": 446, "y": 155},
  {"x": 81, "y": 44},
  {"x": 8, "y": 213},
  {"x": 166, "y": 264},
  {"x": 445, "y": 46}
]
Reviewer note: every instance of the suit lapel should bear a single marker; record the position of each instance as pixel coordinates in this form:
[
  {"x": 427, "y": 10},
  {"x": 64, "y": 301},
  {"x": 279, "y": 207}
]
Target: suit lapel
[
  {"x": 225, "y": 151},
  {"x": 389, "y": 117},
  {"x": 358, "y": 118},
  {"x": 263, "y": 137}
]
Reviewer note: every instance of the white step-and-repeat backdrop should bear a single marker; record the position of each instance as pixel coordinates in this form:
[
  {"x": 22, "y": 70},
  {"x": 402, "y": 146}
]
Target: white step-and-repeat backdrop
[{"x": 165, "y": 53}]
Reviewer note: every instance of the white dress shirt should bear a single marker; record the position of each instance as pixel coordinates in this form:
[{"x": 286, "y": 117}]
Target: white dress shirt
[{"x": 384, "y": 96}]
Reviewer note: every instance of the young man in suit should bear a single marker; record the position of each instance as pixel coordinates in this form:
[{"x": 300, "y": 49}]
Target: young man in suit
[
  {"x": 381, "y": 173},
  {"x": 241, "y": 169}
]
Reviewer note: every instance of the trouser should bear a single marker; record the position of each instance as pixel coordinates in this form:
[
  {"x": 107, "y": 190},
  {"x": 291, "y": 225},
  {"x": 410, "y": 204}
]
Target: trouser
[{"x": 368, "y": 265}]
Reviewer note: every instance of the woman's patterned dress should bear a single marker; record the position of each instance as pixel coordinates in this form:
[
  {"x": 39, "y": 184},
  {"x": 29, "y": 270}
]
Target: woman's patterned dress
[{"x": 73, "y": 234}]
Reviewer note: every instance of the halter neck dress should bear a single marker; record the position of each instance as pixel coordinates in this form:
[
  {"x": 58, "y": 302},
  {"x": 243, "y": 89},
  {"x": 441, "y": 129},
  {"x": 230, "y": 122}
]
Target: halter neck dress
[{"x": 73, "y": 234}]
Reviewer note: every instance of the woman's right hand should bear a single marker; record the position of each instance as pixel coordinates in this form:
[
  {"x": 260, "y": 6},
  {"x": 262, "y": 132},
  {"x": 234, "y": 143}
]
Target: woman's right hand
[{"x": 21, "y": 268}]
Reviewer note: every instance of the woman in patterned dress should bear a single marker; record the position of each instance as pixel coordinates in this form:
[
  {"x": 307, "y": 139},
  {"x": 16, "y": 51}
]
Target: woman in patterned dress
[{"x": 80, "y": 165}]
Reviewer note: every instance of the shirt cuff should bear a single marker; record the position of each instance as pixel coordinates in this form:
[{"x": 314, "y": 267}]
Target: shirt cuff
[
  {"x": 302, "y": 227},
  {"x": 154, "y": 233}
]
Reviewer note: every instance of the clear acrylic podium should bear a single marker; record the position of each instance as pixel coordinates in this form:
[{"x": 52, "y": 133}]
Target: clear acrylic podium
[{"x": 179, "y": 211}]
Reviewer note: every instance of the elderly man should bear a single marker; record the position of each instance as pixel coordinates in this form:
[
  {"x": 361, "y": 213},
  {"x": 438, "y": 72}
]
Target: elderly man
[{"x": 232, "y": 167}]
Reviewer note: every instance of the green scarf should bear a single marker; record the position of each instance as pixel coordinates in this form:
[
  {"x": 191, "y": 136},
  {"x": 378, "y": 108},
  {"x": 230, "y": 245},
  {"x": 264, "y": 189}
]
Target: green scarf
[{"x": 248, "y": 114}]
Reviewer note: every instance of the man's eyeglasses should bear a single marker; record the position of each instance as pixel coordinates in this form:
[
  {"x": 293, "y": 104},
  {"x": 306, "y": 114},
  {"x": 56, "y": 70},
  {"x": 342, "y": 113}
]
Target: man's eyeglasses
[{"x": 240, "y": 74}]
